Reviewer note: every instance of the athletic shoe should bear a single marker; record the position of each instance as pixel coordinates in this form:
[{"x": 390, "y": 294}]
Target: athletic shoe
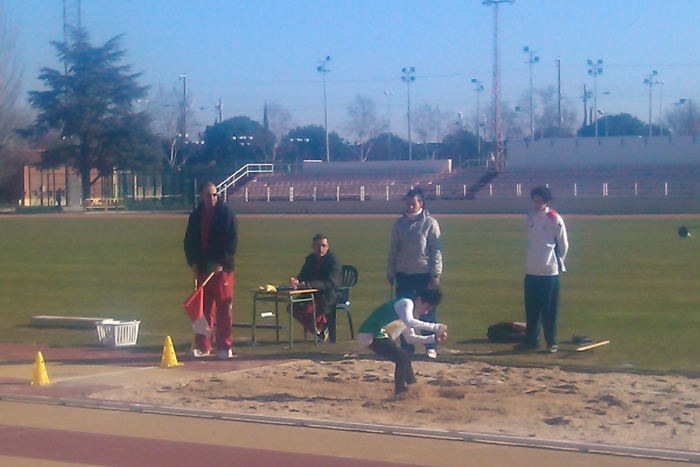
[
  {"x": 431, "y": 353},
  {"x": 197, "y": 353},
  {"x": 224, "y": 354},
  {"x": 323, "y": 334},
  {"x": 552, "y": 348}
]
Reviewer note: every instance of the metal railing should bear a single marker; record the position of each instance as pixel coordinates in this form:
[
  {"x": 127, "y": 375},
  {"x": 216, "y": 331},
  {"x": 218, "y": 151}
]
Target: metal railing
[{"x": 244, "y": 171}]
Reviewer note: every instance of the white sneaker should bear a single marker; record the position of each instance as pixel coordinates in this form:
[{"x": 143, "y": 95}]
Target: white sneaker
[
  {"x": 431, "y": 353},
  {"x": 224, "y": 354},
  {"x": 197, "y": 353}
]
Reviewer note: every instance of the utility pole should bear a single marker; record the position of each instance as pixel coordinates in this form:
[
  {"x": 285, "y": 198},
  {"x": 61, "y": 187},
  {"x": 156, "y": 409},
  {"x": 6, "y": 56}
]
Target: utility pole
[
  {"x": 324, "y": 71},
  {"x": 496, "y": 91},
  {"x": 408, "y": 78},
  {"x": 531, "y": 61}
]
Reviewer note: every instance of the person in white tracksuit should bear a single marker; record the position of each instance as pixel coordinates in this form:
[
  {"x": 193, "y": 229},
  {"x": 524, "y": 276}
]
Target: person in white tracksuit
[{"x": 547, "y": 247}]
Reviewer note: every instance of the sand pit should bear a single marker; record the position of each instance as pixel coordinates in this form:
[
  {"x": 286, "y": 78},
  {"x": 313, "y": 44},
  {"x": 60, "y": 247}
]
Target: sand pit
[{"x": 548, "y": 403}]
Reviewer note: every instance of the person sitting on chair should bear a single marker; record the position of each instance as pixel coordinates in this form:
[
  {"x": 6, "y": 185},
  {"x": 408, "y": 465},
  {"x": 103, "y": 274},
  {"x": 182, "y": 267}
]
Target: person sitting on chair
[{"x": 322, "y": 271}]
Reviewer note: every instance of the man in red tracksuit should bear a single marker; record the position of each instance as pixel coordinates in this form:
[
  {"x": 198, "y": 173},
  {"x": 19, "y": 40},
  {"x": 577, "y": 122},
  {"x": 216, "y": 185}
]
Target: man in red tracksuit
[{"x": 210, "y": 245}]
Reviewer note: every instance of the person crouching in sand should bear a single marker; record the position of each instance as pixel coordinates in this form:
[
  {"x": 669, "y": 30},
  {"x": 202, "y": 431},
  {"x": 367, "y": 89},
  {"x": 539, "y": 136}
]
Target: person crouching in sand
[{"x": 399, "y": 318}]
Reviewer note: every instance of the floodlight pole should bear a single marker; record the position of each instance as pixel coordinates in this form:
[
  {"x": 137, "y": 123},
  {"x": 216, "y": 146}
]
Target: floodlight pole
[
  {"x": 183, "y": 77},
  {"x": 408, "y": 78},
  {"x": 561, "y": 118},
  {"x": 594, "y": 69},
  {"x": 388, "y": 95},
  {"x": 650, "y": 81},
  {"x": 496, "y": 91},
  {"x": 322, "y": 69},
  {"x": 531, "y": 61},
  {"x": 479, "y": 86}
]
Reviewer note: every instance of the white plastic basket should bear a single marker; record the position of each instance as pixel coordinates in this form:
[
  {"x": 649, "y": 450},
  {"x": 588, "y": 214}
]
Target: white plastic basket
[{"x": 113, "y": 333}]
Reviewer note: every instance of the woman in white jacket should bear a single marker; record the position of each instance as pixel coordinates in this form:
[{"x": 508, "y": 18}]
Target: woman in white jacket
[{"x": 415, "y": 256}]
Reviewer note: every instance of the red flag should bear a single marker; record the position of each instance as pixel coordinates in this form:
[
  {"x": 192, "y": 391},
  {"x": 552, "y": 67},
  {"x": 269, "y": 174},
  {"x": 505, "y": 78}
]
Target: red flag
[{"x": 194, "y": 306}]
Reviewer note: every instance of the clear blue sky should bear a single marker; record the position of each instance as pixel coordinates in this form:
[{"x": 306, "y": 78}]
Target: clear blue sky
[{"x": 249, "y": 52}]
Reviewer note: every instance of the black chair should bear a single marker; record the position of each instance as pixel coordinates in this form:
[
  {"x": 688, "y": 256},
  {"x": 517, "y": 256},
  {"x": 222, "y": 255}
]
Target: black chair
[{"x": 350, "y": 276}]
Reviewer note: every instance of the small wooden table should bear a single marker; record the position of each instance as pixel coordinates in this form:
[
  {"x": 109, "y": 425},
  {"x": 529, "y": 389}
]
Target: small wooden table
[{"x": 291, "y": 296}]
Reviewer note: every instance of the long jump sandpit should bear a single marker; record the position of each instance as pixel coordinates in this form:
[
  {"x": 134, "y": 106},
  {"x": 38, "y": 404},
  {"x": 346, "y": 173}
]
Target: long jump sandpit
[{"x": 68, "y": 423}]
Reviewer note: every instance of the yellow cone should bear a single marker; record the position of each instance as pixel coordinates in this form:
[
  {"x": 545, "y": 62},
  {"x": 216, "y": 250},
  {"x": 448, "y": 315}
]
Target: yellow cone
[
  {"x": 40, "y": 377},
  {"x": 169, "y": 358}
]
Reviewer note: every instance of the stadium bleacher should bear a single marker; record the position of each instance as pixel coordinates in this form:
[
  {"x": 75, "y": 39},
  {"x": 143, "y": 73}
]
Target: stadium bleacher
[{"x": 572, "y": 168}]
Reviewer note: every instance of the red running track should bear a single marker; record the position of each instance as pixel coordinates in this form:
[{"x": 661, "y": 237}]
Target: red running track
[{"x": 123, "y": 451}]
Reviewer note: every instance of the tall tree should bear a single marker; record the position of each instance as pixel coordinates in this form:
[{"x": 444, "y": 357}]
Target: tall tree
[
  {"x": 237, "y": 141},
  {"x": 13, "y": 151},
  {"x": 684, "y": 118},
  {"x": 431, "y": 125},
  {"x": 363, "y": 122},
  {"x": 460, "y": 146},
  {"x": 386, "y": 146},
  {"x": 622, "y": 124},
  {"x": 280, "y": 121},
  {"x": 511, "y": 124},
  {"x": 309, "y": 142},
  {"x": 165, "y": 107},
  {"x": 168, "y": 107},
  {"x": 546, "y": 113},
  {"x": 91, "y": 106}
]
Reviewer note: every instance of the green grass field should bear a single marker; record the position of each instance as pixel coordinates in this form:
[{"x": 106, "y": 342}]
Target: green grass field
[{"x": 631, "y": 280}]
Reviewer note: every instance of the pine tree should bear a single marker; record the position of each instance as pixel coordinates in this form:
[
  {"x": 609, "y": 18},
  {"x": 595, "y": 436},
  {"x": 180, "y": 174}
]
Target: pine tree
[{"x": 90, "y": 105}]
